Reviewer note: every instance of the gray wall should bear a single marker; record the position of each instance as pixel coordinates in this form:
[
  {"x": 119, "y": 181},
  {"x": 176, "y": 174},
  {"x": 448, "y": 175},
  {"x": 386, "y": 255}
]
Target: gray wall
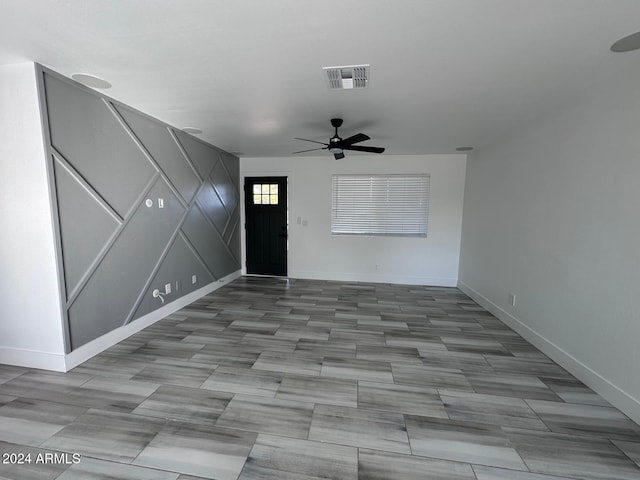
[
  {"x": 107, "y": 161},
  {"x": 551, "y": 216}
]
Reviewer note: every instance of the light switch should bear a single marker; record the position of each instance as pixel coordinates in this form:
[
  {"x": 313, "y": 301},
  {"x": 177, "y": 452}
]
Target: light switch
[
  {"x": 161, "y": 203},
  {"x": 193, "y": 279}
]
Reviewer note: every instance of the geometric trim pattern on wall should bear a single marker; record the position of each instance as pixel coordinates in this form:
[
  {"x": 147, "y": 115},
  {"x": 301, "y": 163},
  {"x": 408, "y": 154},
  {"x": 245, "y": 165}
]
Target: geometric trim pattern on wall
[
  {"x": 78, "y": 204},
  {"x": 139, "y": 204},
  {"x": 181, "y": 255}
]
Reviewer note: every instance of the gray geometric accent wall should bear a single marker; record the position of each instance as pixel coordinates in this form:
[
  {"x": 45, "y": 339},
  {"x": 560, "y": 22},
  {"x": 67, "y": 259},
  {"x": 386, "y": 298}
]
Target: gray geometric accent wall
[{"x": 139, "y": 205}]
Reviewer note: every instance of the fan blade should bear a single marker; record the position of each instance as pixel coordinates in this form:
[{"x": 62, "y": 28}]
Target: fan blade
[
  {"x": 311, "y": 150},
  {"x": 357, "y": 138},
  {"x": 338, "y": 155},
  {"x": 307, "y": 140},
  {"x": 359, "y": 148}
]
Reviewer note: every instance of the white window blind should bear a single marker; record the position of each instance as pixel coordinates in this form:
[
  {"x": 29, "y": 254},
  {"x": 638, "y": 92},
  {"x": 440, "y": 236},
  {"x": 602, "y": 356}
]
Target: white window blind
[{"x": 393, "y": 205}]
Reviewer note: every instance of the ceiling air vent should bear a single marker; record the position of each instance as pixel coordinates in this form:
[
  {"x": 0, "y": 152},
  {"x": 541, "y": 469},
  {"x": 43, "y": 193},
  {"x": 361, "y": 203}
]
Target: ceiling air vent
[{"x": 352, "y": 76}]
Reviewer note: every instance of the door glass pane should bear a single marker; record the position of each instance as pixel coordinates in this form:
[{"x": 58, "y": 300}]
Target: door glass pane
[{"x": 265, "y": 194}]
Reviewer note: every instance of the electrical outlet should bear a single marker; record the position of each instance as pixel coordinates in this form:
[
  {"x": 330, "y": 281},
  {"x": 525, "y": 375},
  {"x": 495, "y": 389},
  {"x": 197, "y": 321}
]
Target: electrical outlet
[
  {"x": 193, "y": 279},
  {"x": 512, "y": 300}
]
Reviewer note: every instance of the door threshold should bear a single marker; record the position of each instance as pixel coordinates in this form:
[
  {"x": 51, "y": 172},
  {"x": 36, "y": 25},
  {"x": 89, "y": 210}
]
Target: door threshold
[{"x": 265, "y": 275}]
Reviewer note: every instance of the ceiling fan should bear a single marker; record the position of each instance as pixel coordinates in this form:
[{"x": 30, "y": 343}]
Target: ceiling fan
[{"x": 337, "y": 145}]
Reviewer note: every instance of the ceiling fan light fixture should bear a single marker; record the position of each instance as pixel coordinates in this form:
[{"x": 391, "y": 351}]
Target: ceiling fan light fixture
[{"x": 338, "y": 145}]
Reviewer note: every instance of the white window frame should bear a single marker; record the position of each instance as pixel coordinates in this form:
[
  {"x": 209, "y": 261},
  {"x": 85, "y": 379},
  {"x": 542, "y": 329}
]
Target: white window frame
[{"x": 380, "y": 205}]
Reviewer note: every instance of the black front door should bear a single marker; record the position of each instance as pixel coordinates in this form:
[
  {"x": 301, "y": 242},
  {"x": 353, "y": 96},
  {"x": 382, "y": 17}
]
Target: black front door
[{"x": 266, "y": 216}]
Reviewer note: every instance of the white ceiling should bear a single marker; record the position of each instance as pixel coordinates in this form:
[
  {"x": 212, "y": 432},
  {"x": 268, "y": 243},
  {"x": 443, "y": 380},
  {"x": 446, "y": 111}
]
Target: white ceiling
[{"x": 444, "y": 73}]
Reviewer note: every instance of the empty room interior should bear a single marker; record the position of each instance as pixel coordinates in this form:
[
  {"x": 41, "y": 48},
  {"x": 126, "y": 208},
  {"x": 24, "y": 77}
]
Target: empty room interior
[{"x": 295, "y": 240}]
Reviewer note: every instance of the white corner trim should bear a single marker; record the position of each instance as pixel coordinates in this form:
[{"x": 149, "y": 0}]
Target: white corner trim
[
  {"x": 94, "y": 347},
  {"x": 619, "y": 398},
  {"x": 376, "y": 278}
]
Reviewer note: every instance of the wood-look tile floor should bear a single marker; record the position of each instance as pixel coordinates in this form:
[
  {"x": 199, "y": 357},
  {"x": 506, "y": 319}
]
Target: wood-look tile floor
[{"x": 269, "y": 378}]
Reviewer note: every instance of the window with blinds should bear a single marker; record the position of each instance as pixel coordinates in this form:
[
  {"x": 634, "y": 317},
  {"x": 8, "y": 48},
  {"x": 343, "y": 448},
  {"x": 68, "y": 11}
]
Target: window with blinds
[{"x": 380, "y": 205}]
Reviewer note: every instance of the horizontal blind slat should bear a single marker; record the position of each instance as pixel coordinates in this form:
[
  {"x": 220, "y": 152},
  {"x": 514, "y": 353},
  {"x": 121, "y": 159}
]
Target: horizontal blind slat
[{"x": 380, "y": 204}]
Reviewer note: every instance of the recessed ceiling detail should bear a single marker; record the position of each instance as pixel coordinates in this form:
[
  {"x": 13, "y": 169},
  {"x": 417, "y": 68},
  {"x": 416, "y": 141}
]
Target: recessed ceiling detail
[
  {"x": 91, "y": 80},
  {"x": 627, "y": 44},
  {"x": 348, "y": 77}
]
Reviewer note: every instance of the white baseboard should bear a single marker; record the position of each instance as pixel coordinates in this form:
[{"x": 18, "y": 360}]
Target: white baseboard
[
  {"x": 377, "y": 278},
  {"x": 59, "y": 362},
  {"x": 32, "y": 359},
  {"x": 88, "y": 350},
  {"x": 620, "y": 399}
]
